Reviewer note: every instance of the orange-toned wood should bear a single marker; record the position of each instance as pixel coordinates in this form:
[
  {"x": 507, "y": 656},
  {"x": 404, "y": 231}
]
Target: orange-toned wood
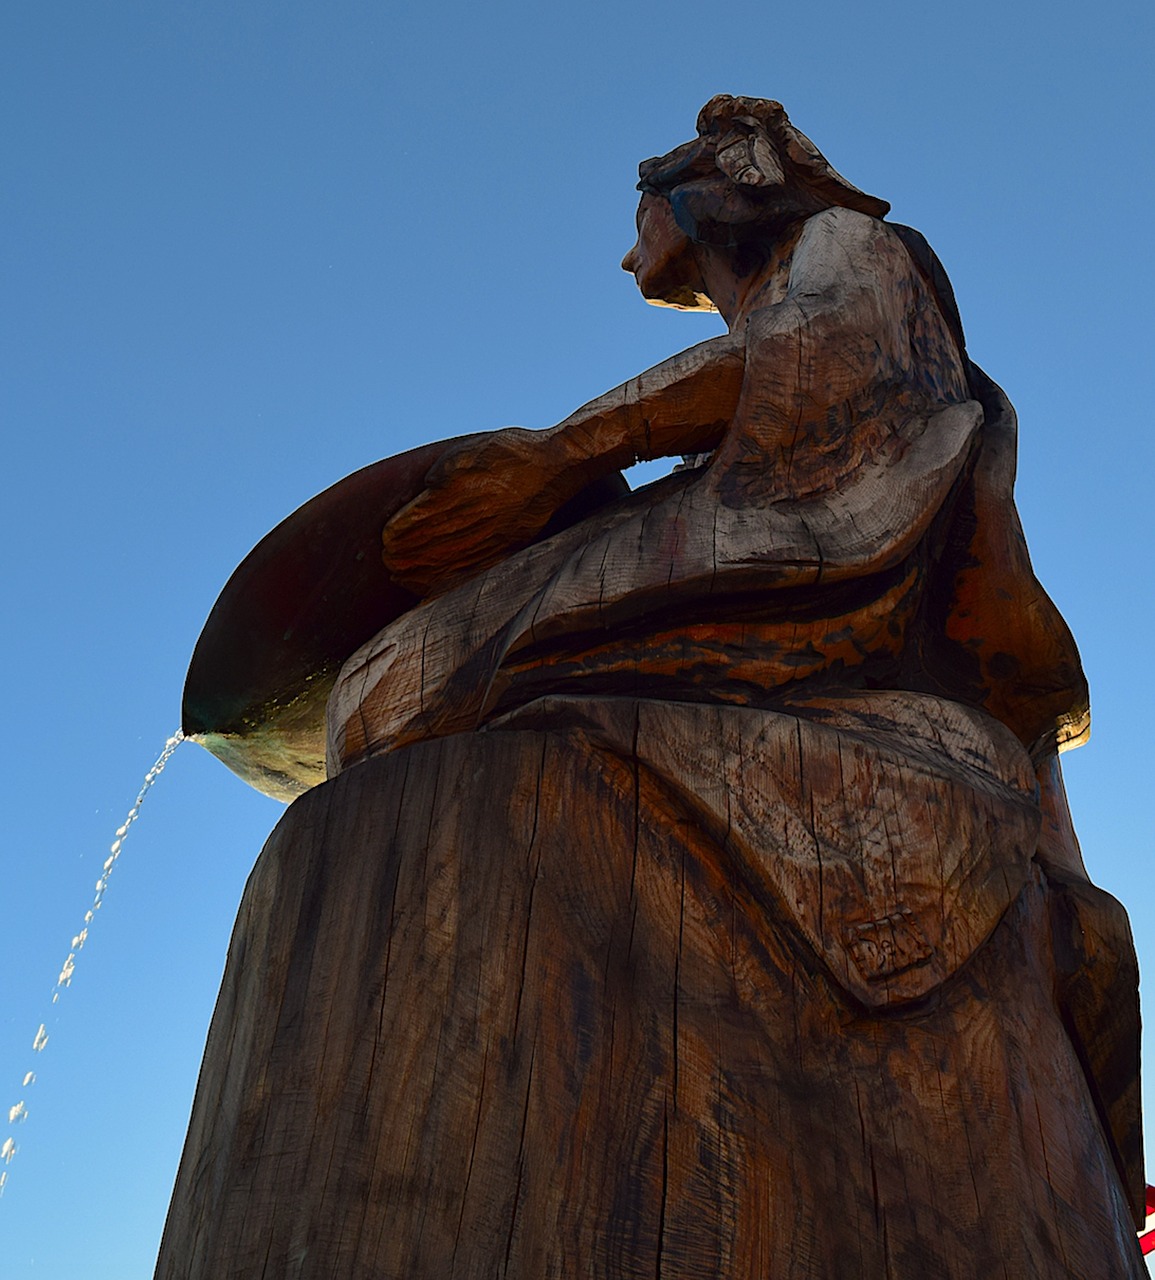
[{"x": 694, "y": 893}]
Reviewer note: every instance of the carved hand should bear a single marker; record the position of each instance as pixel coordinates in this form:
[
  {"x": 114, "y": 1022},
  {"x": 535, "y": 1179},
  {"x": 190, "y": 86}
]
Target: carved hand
[{"x": 483, "y": 500}]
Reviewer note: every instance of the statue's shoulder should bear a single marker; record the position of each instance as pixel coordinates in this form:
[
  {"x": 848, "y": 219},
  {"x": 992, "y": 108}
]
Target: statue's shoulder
[
  {"x": 836, "y": 234},
  {"x": 840, "y": 254}
]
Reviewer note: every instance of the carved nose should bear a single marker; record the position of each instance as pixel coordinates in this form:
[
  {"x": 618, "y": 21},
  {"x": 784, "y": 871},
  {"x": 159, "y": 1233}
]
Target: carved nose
[{"x": 630, "y": 261}]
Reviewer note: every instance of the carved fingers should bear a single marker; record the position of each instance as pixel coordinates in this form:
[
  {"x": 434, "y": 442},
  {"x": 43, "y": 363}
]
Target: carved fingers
[{"x": 482, "y": 500}]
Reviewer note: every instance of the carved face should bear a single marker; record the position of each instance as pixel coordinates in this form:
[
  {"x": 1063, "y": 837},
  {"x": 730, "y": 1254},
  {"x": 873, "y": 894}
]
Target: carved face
[{"x": 663, "y": 262}]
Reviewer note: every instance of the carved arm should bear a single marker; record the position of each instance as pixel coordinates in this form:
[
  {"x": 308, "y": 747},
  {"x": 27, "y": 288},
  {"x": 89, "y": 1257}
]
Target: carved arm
[{"x": 496, "y": 493}]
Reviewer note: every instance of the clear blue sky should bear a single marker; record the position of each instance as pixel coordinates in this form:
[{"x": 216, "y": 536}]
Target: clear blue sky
[{"x": 250, "y": 247}]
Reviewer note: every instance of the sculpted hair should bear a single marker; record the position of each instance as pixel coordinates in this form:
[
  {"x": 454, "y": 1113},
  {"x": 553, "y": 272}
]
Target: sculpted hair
[{"x": 747, "y": 174}]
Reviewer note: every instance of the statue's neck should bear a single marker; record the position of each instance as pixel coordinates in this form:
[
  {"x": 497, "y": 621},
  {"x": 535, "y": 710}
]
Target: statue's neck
[{"x": 737, "y": 287}]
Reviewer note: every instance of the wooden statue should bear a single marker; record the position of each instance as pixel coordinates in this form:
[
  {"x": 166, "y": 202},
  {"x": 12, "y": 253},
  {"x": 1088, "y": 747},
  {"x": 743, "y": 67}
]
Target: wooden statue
[{"x": 693, "y": 893}]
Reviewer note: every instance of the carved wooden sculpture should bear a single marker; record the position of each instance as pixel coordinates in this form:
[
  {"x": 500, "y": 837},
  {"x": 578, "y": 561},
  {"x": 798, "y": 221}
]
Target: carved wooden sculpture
[{"x": 694, "y": 893}]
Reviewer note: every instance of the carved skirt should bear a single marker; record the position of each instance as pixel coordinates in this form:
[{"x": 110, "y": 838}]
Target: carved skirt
[{"x": 628, "y": 989}]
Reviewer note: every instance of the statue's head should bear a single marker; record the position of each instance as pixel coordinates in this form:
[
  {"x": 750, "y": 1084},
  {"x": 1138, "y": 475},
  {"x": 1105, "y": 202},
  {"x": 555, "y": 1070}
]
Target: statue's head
[{"x": 745, "y": 179}]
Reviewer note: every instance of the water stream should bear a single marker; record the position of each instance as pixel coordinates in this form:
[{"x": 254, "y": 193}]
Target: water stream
[{"x": 18, "y": 1112}]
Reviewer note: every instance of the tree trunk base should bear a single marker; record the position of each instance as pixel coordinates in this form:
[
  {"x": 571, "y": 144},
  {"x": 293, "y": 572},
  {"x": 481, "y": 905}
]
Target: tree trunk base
[{"x": 496, "y": 1005}]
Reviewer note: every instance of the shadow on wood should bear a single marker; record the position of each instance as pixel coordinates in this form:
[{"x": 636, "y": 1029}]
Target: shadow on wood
[{"x": 693, "y": 892}]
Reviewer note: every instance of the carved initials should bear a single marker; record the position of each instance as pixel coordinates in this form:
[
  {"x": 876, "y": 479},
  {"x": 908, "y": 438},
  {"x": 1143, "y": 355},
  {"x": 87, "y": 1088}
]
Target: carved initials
[{"x": 889, "y": 945}]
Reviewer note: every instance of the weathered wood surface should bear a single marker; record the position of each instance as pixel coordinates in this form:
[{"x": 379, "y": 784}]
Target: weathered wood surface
[
  {"x": 855, "y": 524},
  {"x": 585, "y": 1032},
  {"x": 695, "y": 894},
  {"x": 308, "y": 594}
]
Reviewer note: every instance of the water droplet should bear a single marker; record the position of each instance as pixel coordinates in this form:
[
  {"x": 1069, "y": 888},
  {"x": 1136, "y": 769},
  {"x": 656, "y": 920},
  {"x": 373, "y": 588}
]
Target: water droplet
[{"x": 19, "y": 1112}]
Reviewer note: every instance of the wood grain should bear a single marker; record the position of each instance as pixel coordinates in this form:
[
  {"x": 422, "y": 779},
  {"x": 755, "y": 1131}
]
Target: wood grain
[
  {"x": 576, "y": 1033},
  {"x": 694, "y": 894}
]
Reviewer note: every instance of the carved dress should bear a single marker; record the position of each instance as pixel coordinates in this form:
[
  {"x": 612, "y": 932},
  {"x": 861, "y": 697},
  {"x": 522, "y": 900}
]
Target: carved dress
[{"x": 683, "y": 902}]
